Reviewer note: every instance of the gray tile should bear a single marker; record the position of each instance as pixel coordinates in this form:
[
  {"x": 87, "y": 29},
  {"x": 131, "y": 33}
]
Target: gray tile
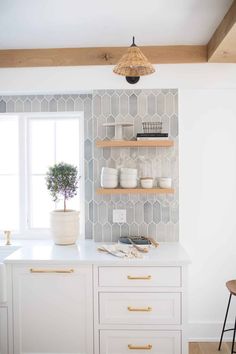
[
  {"x": 95, "y": 212},
  {"x": 87, "y": 108},
  {"x": 124, "y": 230},
  {"x": 165, "y": 214},
  {"x": 97, "y": 234},
  {"x": 102, "y": 213},
  {"x": 88, "y": 230},
  {"x": 169, "y": 104},
  {"x": 106, "y": 153},
  {"x": 151, "y": 105},
  {"x": 88, "y": 149},
  {"x": 88, "y": 190},
  {"x": 130, "y": 215},
  {"x": 147, "y": 212},
  {"x": 139, "y": 212},
  {"x": 90, "y": 170},
  {"x": 156, "y": 212},
  {"x": 133, "y": 229},
  {"x": 91, "y": 210},
  {"x": 106, "y": 105},
  {"x": 19, "y": 107},
  {"x": 174, "y": 211},
  {"x": 70, "y": 104},
  {"x": 61, "y": 104},
  {"x": 160, "y": 104},
  {"x": 161, "y": 232},
  {"x": 174, "y": 126},
  {"x": 143, "y": 229},
  {"x": 115, "y": 232},
  {"x": 36, "y": 105},
  {"x": 10, "y": 106},
  {"x": 133, "y": 105},
  {"x": 142, "y": 105},
  {"x": 107, "y": 234},
  {"x": 124, "y": 104},
  {"x": 3, "y": 106},
  {"x": 53, "y": 105},
  {"x": 27, "y": 106},
  {"x": 152, "y": 230},
  {"x": 115, "y": 105}
]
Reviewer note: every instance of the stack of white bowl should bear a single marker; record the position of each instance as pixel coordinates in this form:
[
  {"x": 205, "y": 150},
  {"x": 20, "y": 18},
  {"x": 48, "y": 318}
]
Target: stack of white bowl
[
  {"x": 109, "y": 177},
  {"x": 128, "y": 177}
]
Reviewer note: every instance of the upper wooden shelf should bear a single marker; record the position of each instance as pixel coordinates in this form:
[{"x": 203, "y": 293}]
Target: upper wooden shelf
[{"x": 134, "y": 143}]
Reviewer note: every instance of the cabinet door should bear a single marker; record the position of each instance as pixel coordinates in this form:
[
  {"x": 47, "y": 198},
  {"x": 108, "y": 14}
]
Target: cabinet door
[
  {"x": 53, "y": 309},
  {"x": 3, "y": 331}
]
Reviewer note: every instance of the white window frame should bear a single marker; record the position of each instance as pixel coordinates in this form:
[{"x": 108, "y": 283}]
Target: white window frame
[{"x": 24, "y": 169}]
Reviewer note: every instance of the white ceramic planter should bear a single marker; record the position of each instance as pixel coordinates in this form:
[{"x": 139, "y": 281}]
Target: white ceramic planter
[{"x": 64, "y": 226}]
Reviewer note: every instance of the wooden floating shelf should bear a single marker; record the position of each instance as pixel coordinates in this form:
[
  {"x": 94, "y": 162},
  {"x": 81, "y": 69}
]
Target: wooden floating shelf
[
  {"x": 134, "y": 143},
  {"x": 134, "y": 190}
]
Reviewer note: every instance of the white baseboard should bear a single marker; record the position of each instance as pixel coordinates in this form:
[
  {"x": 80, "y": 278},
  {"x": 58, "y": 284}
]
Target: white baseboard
[{"x": 208, "y": 331}]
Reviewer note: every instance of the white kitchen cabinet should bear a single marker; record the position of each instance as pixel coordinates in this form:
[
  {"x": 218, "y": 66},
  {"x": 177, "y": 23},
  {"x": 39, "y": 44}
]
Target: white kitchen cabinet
[
  {"x": 140, "y": 309},
  {"x": 3, "y": 331},
  {"x": 120, "y": 341},
  {"x": 52, "y": 309}
]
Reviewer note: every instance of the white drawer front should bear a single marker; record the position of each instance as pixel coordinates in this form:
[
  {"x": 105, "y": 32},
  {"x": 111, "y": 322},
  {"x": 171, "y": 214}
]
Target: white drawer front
[
  {"x": 137, "y": 342},
  {"x": 140, "y": 276},
  {"x": 140, "y": 308}
]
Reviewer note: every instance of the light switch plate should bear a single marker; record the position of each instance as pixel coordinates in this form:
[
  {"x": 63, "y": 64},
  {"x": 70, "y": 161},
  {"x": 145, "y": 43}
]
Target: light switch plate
[{"x": 119, "y": 216}]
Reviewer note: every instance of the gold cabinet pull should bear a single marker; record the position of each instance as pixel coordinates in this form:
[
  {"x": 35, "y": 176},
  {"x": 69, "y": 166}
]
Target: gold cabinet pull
[
  {"x": 145, "y": 277},
  {"x": 135, "y": 347},
  {"x": 38, "y": 270},
  {"x": 139, "y": 309}
]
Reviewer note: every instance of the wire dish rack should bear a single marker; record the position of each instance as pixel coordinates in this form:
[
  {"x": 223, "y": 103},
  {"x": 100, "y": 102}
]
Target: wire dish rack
[{"x": 152, "y": 127}]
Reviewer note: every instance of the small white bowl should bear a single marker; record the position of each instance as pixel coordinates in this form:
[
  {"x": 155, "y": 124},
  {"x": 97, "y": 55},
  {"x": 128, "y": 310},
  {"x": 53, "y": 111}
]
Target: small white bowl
[
  {"x": 146, "y": 182},
  {"x": 129, "y": 171},
  {"x": 126, "y": 183},
  {"x": 108, "y": 183},
  {"x": 165, "y": 182},
  {"x": 129, "y": 177},
  {"x": 109, "y": 178},
  {"x": 109, "y": 171}
]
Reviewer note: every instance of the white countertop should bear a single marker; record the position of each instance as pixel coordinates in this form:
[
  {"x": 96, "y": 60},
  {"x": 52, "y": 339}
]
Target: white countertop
[{"x": 85, "y": 252}]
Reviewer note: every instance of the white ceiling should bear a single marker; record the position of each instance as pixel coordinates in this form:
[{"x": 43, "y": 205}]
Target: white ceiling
[{"x": 85, "y": 23}]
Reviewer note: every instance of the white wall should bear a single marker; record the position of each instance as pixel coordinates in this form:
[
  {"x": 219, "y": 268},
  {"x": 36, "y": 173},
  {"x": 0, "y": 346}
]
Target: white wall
[
  {"x": 207, "y": 115},
  {"x": 208, "y": 203}
]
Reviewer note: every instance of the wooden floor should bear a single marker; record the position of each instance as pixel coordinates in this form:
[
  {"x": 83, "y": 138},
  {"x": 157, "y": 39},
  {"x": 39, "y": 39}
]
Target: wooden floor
[{"x": 209, "y": 348}]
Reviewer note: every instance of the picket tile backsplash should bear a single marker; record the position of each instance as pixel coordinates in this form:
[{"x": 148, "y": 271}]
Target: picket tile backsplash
[{"x": 153, "y": 215}]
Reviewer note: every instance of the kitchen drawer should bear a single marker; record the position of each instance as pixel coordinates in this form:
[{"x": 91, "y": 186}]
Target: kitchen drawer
[
  {"x": 124, "y": 342},
  {"x": 140, "y": 308},
  {"x": 140, "y": 276}
]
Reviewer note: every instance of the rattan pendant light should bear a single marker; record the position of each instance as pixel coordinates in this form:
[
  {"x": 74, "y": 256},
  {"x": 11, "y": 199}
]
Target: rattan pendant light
[{"x": 133, "y": 64}]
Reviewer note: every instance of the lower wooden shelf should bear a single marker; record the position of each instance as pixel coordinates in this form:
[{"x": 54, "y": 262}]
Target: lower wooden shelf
[{"x": 134, "y": 190}]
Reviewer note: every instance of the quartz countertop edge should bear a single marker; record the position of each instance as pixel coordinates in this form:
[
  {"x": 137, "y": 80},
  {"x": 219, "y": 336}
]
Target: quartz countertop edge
[{"x": 85, "y": 252}]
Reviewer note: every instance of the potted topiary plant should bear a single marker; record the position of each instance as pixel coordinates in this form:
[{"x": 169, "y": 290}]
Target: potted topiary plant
[{"x": 62, "y": 182}]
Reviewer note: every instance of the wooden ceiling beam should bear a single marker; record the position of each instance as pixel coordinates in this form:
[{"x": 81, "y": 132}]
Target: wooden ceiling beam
[
  {"x": 222, "y": 46},
  {"x": 15, "y": 58}
]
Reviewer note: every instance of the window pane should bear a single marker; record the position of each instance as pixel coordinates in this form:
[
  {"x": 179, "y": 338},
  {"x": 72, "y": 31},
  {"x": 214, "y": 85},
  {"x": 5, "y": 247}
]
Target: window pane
[
  {"x": 67, "y": 141},
  {"x": 9, "y": 203},
  {"x": 9, "y": 145},
  {"x": 42, "y": 145},
  {"x": 52, "y": 140},
  {"x": 41, "y": 203}
]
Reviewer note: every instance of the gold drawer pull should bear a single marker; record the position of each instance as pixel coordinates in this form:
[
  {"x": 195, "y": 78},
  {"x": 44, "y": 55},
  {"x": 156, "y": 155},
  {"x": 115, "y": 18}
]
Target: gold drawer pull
[
  {"x": 37, "y": 270},
  {"x": 147, "y": 277},
  {"x": 135, "y": 347},
  {"x": 139, "y": 309}
]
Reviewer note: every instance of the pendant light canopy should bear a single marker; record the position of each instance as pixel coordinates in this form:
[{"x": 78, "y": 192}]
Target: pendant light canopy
[{"x": 133, "y": 64}]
